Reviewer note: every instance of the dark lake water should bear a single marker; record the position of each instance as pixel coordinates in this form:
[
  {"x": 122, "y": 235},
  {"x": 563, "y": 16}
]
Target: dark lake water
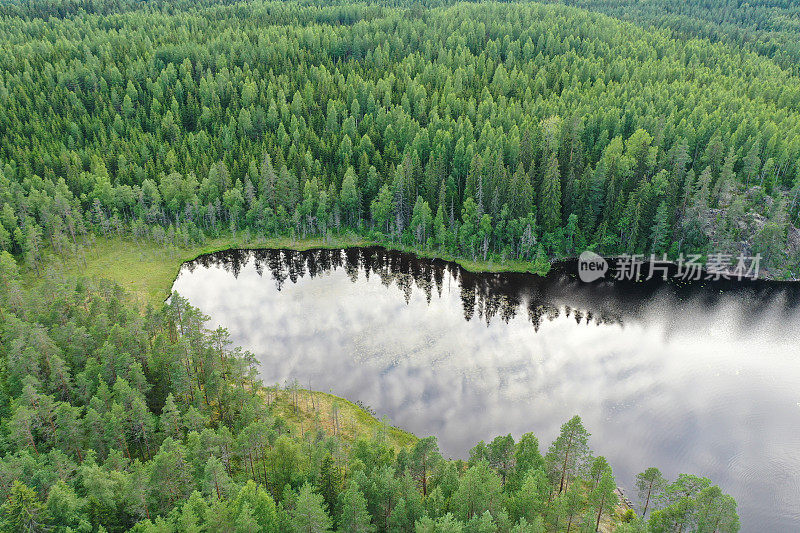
[{"x": 700, "y": 378}]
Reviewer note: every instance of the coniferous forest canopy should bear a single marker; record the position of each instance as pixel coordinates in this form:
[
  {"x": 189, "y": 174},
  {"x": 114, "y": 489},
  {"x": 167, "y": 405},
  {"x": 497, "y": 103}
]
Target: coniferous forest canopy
[
  {"x": 767, "y": 27},
  {"x": 479, "y": 131},
  {"x": 514, "y": 131}
]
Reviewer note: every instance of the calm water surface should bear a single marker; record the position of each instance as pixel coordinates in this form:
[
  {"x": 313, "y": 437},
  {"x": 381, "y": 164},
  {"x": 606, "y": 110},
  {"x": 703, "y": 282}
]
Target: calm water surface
[{"x": 699, "y": 378}]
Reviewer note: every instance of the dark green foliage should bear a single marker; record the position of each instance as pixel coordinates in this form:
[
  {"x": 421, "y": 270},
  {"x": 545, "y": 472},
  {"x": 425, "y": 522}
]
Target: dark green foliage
[
  {"x": 480, "y": 131},
  {"x": 767, "y": 27}
]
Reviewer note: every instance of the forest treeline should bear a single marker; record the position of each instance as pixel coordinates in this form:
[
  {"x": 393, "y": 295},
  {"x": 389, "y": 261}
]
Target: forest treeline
[
  {"x": 481, "y": 131},
  {"x": 767, "y": 27},
  {"x": 112, "y": 419}
]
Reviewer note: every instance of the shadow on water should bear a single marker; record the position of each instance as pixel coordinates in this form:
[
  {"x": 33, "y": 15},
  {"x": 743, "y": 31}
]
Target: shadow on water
[{"x": 490, "y": 295}]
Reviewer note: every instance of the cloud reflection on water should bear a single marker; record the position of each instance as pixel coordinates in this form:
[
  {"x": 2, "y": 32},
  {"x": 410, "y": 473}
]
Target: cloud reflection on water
[{"x": 688, "y": 379}]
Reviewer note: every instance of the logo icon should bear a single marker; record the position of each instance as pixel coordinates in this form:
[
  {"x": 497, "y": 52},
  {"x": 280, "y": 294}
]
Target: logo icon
[{"x": 591, "y": 266}]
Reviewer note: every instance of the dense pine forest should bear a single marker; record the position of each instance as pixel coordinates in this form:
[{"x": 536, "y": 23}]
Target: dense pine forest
[
  {"x": 767, "y": 27},
  {"x": 481, "y": 131}
]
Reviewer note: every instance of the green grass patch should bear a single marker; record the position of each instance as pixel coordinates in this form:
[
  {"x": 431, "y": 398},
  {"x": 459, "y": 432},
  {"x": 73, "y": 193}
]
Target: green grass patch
[
  {"x": 147, "y": 270},
  {"x": 312, "y": 410}
]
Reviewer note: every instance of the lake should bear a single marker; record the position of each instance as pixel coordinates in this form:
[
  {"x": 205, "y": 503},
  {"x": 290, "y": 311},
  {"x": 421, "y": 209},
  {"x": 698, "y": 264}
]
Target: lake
[{"x": 701, "y": 378}]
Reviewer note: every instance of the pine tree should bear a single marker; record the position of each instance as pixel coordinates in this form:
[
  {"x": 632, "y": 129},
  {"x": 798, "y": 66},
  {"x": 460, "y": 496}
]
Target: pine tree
[
  {"x": 398, "y": 519},
  {"x": 246, "y": 522},
  {"x": 421, "y": 221},
  {"x": 328, "y": 483},
  {"x": 217, "y": 483},
  {"x": 604, "y": 496},
  {"x": 650, "y": 485},
  {"x": 22, "y": 511},
  {"x": 349, "y": 198},
  {"x": 354, "y": 516},
  {"x": 569, "y": 505},
  {"x": 309, "y": 514},
  {"x": 550, "y": 203},
  {"x": 171, "y": 418},
  {"x": 424, "y": 457},
  {"x": 660, "y": 231},
  {"x": 260, "y": 505},
  {"x": 752, "y": 162},
  {"x": 501, "y": 456},
  {"x": 32, "y": 247},
  {"x": 478, "y": 491},
  {"x": 268, "y": 183},
  {"x": 641, "y": 153},
  {"x": 528, "y": 501},
  {"x": 65, "y": 508},
  {"x": 724, "y": 186},
  {"x": 381, "y": 209},
  {"x": 568, "y": 452},
  {"x": 286, "y": 190},
  {"x": 536, "y": 526}
]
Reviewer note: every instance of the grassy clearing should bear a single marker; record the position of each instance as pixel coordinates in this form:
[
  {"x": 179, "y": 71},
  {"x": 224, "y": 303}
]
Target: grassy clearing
[
  {"x": 147, "y": 270},
  {"x": 315, "y": 409}
]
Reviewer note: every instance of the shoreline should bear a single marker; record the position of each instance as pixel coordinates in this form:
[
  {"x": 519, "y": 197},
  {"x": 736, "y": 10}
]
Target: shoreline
[{"x": 148, "y": 270}]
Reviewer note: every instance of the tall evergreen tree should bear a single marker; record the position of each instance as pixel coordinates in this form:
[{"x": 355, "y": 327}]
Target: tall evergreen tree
[{"x": 309, "y": 514}]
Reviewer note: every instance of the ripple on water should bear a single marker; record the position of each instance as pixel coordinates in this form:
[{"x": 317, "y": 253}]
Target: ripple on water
[{"x": 769, "y": 475}]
